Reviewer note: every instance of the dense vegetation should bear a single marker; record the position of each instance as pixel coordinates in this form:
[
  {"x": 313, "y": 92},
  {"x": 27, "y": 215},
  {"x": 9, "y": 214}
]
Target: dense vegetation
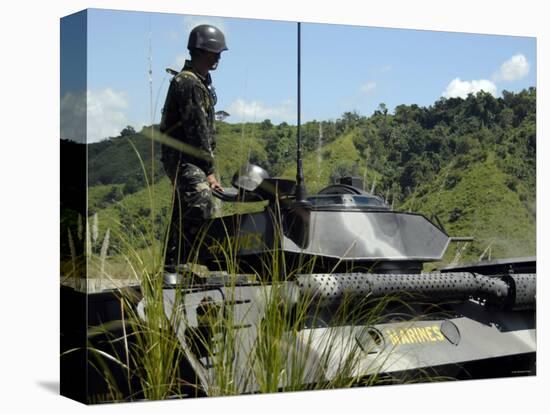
[{"x": 471, "y": 162}]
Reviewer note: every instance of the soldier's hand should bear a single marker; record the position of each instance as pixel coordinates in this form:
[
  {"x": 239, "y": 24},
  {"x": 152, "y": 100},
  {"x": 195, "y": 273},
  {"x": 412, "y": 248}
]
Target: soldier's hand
[{"x": 214, "y": 184}]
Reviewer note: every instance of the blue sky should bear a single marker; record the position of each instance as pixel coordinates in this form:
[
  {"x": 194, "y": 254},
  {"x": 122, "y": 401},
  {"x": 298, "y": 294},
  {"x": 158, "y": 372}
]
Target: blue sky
[{"x": 344, "y": 68}]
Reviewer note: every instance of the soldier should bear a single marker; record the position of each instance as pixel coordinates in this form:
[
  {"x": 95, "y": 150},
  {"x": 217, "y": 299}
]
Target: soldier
[{"x": 188, "y": 117}]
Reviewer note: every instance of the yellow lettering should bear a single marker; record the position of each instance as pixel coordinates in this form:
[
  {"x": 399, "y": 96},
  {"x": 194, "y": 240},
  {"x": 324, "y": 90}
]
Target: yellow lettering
[
  {"x": 412, "y": 336},
  {"x": 393, "y": 337},
  {"x": 422, "y": 335},
  {"x": 248, "y": 241},
  {"x": 429, "y": 333},
  {"x": 438, "y": 333},
  {"x": 415, "y": 335},
  {"x": 258, "y": 240},
  {"x": 402, "y": 337}
]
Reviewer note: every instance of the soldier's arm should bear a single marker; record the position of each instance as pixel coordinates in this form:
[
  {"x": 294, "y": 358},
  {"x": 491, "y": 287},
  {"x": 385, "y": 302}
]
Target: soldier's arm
[
  {"x": 214, "y": 183},
  {"x": 195, "y": 125}
]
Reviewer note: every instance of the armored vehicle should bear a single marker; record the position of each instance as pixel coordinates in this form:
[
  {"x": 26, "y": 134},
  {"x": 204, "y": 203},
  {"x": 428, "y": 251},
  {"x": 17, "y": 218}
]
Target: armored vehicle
[
  {"x": 333, "y": 288},
  {"x": 474, "y": 321}
]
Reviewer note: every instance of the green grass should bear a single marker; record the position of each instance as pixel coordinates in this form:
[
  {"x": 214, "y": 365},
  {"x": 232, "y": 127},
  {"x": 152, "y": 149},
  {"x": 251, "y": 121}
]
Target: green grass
[
  {"x": 472, "y": 198},
  {"x": 282, "y": 357},
  {"x": 235, "y": 145},
  {"x": 341, "y": 152},
  {"x": 480, "y": 205}
]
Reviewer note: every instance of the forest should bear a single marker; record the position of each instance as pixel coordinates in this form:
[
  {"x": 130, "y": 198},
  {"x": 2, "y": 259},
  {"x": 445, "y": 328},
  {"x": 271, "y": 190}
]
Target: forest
[{"x": 470, "y": 162}]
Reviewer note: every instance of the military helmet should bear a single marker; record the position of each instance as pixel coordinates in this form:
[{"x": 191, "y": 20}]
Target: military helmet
[{"x": 207, "y": 37}]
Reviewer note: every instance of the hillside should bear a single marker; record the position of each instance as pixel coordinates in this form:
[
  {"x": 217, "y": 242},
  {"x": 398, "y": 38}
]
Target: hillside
[
  {"x": 115, "y": 160},
  {"x": 469, "y": 161},
  {"x": 475, "y": 200}
]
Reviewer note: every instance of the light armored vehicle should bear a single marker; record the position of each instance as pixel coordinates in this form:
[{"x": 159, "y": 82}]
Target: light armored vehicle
[
  {"x": 335, "y": 284},
  {"x": 473, "y": 321}
]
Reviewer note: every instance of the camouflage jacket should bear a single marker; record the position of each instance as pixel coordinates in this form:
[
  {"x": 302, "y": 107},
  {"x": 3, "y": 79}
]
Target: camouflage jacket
[{"x": 188, "y": 118}]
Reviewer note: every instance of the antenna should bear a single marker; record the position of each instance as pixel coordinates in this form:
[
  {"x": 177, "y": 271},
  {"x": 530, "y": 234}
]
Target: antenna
[
  {"x": 151, "y": 112},
  {"x": 300, "y": 186}
]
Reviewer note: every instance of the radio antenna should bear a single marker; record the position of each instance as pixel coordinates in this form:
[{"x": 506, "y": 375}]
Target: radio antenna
[{"x": 300, "y": 186}]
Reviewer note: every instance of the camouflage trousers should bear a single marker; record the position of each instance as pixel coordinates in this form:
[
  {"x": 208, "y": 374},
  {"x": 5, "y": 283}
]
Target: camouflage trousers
[{"x": 193, "y": 206}]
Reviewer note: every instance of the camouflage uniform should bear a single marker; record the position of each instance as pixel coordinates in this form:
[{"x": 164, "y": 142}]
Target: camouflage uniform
[{"x": 188, "y": 117}]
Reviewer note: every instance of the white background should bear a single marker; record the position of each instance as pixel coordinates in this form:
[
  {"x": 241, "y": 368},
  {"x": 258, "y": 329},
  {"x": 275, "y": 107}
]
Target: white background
[{"x": 29, "y": 159}]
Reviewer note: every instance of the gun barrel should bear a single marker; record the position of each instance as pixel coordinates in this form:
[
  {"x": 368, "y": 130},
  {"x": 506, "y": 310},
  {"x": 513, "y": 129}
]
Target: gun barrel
[{"x": 509, "y": 291}]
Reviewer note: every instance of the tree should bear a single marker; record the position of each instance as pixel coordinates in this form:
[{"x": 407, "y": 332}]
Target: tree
[
  {"x": 418, "y": 171},
  {"x": 405, "y": 114},
  {"x": 280, "y": 144},
  {"x": 128, "y": 131},
  {"x": 266, "y": 125},
  {"x": 506, "y": 118},
  {"x": 221, "y": 115},
  {"x": 115, "y": 194},
  {"x": 131, "y": 186},
  {"x": 381, "y": 110}
]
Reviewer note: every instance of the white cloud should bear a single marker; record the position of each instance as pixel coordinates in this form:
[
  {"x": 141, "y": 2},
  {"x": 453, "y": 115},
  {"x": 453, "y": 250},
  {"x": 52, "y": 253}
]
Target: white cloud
[
  {"x": 460, "y": 89},
  {"x": 241, "y": 110},
  {"x": 73, "y": 117},
  {"x": 515, "y": 68},
  {"x": 106, "y": 117},
  {"x": 99, "y": 115},
  {"x": 368, "y": 87}
]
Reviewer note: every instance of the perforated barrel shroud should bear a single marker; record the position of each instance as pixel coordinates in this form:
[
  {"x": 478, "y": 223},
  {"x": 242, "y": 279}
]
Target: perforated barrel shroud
[
  {"x": 524, "y": 286},
  {"x": 510, "y": 291}
]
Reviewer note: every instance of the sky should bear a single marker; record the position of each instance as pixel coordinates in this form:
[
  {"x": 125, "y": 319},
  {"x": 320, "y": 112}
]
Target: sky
[{"x": 343, "y": 68}]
